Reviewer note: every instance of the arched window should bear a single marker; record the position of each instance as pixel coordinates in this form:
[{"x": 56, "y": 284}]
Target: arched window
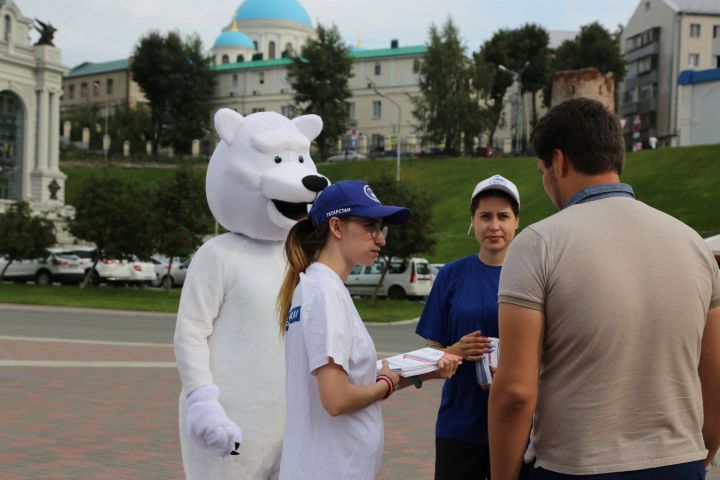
[
  {"x": 240, "y": 58},
  {"x": 11, "y": 133},
  {"x": 289, "y": 49},
  {"x": 271, "y": 50},
  {"x": 256, "y": 44},
  {"x": 225, "y": 59},
  {"x": 8, "y": 28}
]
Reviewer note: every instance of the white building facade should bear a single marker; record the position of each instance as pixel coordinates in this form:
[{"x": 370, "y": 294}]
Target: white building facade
[
  {"x": 699, "y": 114},
  {"x": 30, "y": 91}
]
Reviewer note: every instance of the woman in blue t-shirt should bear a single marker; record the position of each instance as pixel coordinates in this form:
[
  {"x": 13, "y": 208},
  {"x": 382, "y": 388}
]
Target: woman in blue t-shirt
[{"x": 461, "y": 312}]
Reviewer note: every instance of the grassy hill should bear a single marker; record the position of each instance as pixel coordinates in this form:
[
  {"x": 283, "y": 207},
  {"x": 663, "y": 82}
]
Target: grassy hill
[{"x": 683, "y": 182}]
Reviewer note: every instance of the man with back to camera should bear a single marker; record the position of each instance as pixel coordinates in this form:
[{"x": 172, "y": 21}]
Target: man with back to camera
[{"x": 610, "y": 323}]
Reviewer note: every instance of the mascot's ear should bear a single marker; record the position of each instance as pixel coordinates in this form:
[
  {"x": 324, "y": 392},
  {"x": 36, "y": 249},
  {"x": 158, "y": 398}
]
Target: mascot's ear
[
  {"x": 227, "y": 124},
  {"x": 309, "y": 125}
]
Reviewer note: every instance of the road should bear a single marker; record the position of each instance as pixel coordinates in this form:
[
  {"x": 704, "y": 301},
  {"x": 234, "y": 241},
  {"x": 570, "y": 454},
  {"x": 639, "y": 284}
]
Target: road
[{"x": 141, "y": 327}]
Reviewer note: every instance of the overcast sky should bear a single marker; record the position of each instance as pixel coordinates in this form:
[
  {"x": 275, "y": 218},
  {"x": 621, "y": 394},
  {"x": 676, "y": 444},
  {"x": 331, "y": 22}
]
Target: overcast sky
[{"x": 104, "y": 30}]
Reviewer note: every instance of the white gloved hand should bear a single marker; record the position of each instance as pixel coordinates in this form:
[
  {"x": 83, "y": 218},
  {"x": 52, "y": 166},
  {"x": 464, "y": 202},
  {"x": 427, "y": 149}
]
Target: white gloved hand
[{"x": 208, "y": 423}]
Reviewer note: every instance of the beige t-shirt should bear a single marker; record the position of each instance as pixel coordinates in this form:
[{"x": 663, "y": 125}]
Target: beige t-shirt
[{"x": 626, "y": 290}]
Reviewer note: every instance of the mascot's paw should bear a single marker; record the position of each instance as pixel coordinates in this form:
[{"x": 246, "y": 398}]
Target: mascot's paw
[{"x": 208, "y": 423}]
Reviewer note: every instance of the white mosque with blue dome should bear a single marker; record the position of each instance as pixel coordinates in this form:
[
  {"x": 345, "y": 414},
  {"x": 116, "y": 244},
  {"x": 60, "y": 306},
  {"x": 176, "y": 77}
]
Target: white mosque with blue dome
[
  {"x": 252, "y": 54},
  {"x": 273, "y": 28}
]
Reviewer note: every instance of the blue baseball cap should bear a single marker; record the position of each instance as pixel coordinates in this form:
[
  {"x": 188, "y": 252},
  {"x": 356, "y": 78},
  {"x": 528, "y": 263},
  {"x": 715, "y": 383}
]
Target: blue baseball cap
[{"x": 352, "y": 198}]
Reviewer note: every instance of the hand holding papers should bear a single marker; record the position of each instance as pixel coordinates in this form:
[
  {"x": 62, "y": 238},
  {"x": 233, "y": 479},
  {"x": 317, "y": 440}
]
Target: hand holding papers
[
  {"x": 417, "y": 362},
  {"x": 482, "y": 366}
]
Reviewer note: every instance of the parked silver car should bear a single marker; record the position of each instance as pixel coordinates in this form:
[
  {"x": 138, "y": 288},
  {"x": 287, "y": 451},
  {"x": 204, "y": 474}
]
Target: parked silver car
[{"x": 175, "y": 277}]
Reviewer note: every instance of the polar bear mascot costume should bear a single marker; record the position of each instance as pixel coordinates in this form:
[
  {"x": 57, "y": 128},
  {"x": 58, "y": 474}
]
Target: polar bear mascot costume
[{"x": 260, "y": 181}]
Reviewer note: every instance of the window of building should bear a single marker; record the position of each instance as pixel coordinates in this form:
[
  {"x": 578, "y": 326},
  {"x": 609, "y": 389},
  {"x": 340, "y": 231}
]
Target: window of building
[
  {"x": 631, "y": 95},
  {"x": 271, "y": 50},
  {"x": 235, "y": 80},
  {"x": 83, "y": 90},
  {"x": 647, "y": 6},
  {"x": 289, "y": 48},
  {"x": 225, "y": 59},
  {"x": 377, "y": 109},
  {"x": 695, "y": 30},
  {"x": 258, "y": 109},
  {"x": 288, "y": 111},
  {"x": 716, "y": 31},
  {"x": 109, "y": 86},
  {"x": 717, "y": 61},
  {"x": 351, "y": 109},
  {"x": 262, "y": 77},
  {"x": 644, "y": 65},
  {"x": 96, "y": 88},
  {"x": 8, "y": 28},
  {"x": 240, "y": 58},
  {"x": 71, "y": 92},
  {"x": 256, "y": 44},
  {"x": 693, "y": 60},
  {"x": 416, "y": 65},
  {"x": 378, "y": 68}
]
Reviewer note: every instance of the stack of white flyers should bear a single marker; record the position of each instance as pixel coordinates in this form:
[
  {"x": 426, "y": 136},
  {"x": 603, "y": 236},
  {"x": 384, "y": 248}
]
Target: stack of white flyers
[
  {"x": 482, "y": 366},
  {"x": 414, "y": 363}
]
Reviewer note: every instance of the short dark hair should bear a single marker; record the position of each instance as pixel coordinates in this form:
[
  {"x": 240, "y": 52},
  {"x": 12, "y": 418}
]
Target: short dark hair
[
  {"x": 586, "y": 132},
  {"x": 494, "y": 193}
]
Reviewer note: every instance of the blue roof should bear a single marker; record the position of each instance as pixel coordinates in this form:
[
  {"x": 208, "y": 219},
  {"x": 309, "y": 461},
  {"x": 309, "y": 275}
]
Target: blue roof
[
  {"x": 690, "y": 77},
  {"x": 231, "y": 38},
  {"x": 273, "y": 9}
]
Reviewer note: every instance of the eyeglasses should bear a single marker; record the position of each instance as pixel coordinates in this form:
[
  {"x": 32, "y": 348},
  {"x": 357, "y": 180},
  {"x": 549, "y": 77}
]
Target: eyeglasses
[{"x": 375, "y": 227}]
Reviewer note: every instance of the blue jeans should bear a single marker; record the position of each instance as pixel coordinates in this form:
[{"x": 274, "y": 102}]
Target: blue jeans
[{"x": 681, "y": 471}]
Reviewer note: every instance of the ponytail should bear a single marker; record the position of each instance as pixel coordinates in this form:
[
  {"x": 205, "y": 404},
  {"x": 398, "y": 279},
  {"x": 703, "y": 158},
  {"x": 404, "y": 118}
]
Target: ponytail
[{"x": 302, "y": 248}]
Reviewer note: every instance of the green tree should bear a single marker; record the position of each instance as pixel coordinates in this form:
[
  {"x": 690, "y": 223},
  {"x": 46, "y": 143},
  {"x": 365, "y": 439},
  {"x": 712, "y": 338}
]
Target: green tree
[
  {"x": 595, "y": 47},
  {"x": 523, "y": 50},
  {"x": 182, "y": 214},
  {"x": 112, "y": 213},
  {"x": 446, "y": 110},
  {"x": 320, "y": 77},
  {"x": 130, "y": 124},
  {"x": 492, "y": 82},
  {"x": 22, "y": 235},
  {"x": 530, "y": 54},
  {"x": 176, "y": 78},
  {"x": 416, "y": 236}
]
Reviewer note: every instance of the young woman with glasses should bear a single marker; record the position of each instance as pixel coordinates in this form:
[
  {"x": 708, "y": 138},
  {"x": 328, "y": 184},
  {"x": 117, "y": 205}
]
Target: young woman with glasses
[{"x": 333, "y": 422}]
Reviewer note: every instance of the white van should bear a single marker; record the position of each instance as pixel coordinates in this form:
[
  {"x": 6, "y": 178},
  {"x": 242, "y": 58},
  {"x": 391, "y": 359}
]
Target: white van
[{"x": 408, "y": 277}]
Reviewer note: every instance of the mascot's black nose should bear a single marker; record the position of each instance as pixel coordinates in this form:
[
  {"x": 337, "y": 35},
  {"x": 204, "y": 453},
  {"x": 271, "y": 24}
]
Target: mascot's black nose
[{"x": 315, "y": 183}]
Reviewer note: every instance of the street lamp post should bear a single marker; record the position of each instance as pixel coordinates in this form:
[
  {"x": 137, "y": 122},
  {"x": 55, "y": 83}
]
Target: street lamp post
[
  {"x": 519, "y": 112},
  {"x": 106, "y": 138},
  {"x": 378, "y": 92}
]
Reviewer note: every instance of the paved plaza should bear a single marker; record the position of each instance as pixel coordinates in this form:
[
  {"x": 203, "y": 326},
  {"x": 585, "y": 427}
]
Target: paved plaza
[{"x": 99, "y": 410}]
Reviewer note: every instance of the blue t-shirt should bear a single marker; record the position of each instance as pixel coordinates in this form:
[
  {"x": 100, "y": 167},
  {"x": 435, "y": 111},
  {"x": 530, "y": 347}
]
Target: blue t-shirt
[{"x": 463, "y": 299}]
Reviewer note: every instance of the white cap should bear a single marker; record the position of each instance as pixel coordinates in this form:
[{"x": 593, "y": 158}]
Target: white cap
[{"x": 497, "y": 182}]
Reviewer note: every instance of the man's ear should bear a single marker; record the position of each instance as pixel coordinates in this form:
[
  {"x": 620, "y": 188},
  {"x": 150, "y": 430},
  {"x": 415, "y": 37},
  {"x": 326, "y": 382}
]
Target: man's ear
[{"x": 560, "y": 165}]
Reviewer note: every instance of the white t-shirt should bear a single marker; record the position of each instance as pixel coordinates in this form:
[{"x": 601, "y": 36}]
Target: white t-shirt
[{"x": 324, "y": 324}]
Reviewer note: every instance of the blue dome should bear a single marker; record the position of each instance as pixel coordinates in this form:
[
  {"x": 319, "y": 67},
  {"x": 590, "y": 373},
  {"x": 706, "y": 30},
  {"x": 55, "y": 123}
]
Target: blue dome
[
  {"x": 273, "y": 9},
  {"x": 231, "y": 38}
]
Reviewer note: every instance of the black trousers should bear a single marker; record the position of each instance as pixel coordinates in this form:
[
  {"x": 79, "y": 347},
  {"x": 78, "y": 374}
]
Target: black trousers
[{"x": 463, "y": 461}]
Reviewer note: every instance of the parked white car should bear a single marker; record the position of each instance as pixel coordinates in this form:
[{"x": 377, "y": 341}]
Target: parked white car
[
  {"x": 405, "y": 278},
  {"x": 174, "y": 278},
  {"x": 56, "y": 267},
  {"x": 141, "y": 273},
  {"x": 109, "y": 270}
]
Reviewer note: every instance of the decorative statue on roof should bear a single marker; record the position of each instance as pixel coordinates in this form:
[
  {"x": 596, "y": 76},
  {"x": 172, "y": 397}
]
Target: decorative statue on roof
[{"x": 46, "y": 31}]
